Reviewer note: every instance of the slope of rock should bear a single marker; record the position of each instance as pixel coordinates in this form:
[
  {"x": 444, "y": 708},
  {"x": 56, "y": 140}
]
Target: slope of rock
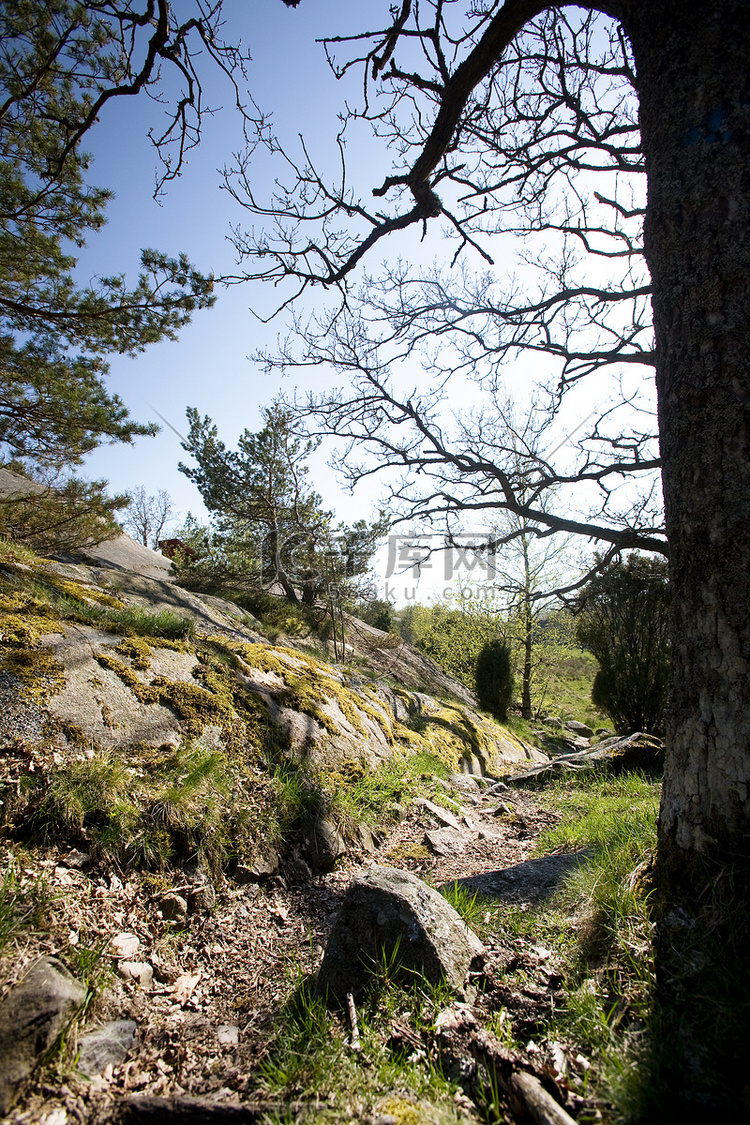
[{"x": 157, "y": 725}]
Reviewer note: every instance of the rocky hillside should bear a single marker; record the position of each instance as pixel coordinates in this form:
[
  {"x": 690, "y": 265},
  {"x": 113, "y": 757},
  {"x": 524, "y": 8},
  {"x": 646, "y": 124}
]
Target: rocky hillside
[
  {"x": 164, "y": 757},
  {"x": 203, "y": 820}
]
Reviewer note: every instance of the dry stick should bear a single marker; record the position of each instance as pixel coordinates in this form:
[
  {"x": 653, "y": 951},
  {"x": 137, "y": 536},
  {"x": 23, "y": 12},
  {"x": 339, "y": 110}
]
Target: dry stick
[
  {"x": 523, "y": 1087},
  {"x": 355, "y": 1041},
  {"x": 135, "y": 1110},
  {"x": 540, "y": 1106}
]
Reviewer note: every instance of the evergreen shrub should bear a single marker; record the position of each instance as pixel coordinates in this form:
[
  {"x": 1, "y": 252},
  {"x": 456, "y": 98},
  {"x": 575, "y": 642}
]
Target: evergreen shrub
[{"x": 494, "y": 678}]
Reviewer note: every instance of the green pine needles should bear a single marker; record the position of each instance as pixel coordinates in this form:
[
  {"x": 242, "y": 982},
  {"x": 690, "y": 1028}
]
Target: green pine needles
[{"x": 494, "y": 678}]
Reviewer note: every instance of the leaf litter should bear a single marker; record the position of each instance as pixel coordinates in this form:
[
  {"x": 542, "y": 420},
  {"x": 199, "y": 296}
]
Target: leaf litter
[{"x": 219, "y": 982}]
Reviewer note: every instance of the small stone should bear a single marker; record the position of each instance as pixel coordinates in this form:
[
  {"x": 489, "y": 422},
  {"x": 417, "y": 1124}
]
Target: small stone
[
  {"x": 496, "y": 787},
  {"x": 298, "y": 870},
  {"x": 228, "y": 1035},
  {"x": 139, "y": 971},
  {"x": 125, "y": 946},
  {"x": 262, "y": 867},
  {"x": 445, "y": 841},
  {"x": 388, "y": 913},
  {"x": 58, "y": 1116},
  {"x": 441, "y": 814},
  {"x": 173, "y": 908},
  {"x": 323, "y": 845},
  {"x": 105, "y": 1047},
  {"x": 77, "y": 860},
  {"x": 202, "y": 895},
  {"x": 364, "y": 837},
  {"x": 465, "y": 781},
  {"x": 579, "y": 728}
]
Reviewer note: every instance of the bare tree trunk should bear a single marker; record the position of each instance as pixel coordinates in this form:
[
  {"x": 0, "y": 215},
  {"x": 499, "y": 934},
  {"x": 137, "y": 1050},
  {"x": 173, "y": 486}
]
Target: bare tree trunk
[
  {"x": 528, "y": 631},
  {"x": 693, "y": 64}
]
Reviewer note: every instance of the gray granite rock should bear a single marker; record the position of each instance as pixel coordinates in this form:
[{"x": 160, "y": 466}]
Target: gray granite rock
[
  {"x": 32, "y": 1016},
  {"x": 323, "y": 844},
  {"x": 446, "y": 841},
  {"x": 107, "y": 1045},
  {"x": 579, "y": 729},
  {"x": 390, "y": 914}
]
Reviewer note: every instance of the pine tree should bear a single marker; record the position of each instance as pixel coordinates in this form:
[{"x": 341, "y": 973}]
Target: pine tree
[
  {"x": 59, "y": 62},
  {"x": 265, "y": 506}
]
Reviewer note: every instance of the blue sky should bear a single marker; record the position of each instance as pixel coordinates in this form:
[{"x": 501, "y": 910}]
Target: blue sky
[{"x": 209, "y": 367}]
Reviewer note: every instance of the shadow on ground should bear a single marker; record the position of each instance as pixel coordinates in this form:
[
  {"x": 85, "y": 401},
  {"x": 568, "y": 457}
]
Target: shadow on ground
[{"x": 530, "y": 882}]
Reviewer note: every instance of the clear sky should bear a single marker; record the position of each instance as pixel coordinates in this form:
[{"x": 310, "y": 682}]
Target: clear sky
[{"x": 209, "y": 366}]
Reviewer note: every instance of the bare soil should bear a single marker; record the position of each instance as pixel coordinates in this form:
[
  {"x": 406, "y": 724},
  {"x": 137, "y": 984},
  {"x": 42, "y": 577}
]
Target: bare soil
[{"x": 204, "y": 1024}]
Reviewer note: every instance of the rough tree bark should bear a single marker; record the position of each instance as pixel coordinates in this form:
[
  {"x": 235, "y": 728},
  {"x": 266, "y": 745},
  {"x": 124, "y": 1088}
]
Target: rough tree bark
[{"x": 693, "y": 62}]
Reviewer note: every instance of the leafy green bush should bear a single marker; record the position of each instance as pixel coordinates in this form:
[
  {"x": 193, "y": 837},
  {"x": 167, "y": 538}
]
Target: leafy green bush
[
  {"x": 494, "y": 678},
  {"x": 453, "y": 638},
  {"x": 625, "y": 623}
]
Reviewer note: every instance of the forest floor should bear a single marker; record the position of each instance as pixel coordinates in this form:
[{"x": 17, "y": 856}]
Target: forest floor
[{"x": 207, "y": 1021}]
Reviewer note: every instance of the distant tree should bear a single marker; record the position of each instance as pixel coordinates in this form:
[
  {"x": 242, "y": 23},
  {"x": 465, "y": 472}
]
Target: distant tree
[
  {"x": 147, "y": 516},
  {"x": 378, "y": 613},
  {"x": 260, "y": 493},
  {"x": 625, "y": 623},
  {"x": 494, "y": 678}
]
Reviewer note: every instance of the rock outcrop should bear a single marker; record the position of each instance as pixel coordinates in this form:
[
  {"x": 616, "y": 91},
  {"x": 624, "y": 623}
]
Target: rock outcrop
[
  {"x": 32, "y": 1016},
  {"x": 621, "y": 752},
  {"x": 390, "y": 918}
]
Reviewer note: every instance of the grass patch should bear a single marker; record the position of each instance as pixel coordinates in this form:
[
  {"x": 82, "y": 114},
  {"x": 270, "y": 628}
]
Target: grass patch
[
  {"x": 599, "y": 929},
  {"x": 24, "y": 902},
  {"x": 470, "y": 907},
  {"x": 371, "y": 795},
  {"x": 151, "y": 814},
  {"x": 568, "y": 678},
  {"x": 309, "y": 1055},
  {"x": 130, "y": 620}
]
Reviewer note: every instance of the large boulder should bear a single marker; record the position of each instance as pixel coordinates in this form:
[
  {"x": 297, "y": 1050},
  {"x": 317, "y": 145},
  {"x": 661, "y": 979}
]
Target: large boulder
[
  {"x": 32, "y": 1015},
  {"x": 390, "y": 917}
]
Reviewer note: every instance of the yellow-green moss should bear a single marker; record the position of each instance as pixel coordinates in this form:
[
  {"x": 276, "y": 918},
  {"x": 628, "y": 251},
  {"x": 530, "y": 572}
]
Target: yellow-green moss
[
  {"x": 197, "y": 707},
  {"x": 78, "y": 590},
  {"x": 451, "y": 732},
  {"x": 402, "y": 853},
  {"x": 310, "y": 690},
  {"x": 24, "y": 619},
  {"x": 144, "y": 693},
  {"x": 74, "y": 735},
  {"x": 406, "y": 1112},
  {"x": 138, "y": 652},
  {"x": 38, "y": 669}
]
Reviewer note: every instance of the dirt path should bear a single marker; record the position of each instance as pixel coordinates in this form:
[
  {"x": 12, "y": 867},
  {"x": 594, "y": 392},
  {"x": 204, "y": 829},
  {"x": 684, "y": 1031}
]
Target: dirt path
[{"x": 204, "y": 1023}]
